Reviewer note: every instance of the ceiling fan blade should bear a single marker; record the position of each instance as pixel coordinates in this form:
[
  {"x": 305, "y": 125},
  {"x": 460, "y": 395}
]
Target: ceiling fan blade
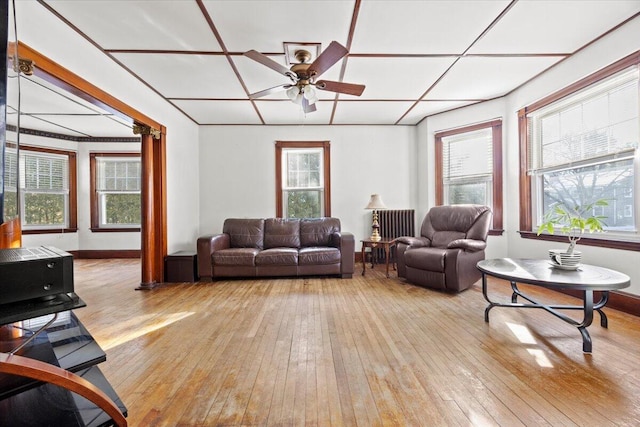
[
  {"x": 348, "y": 88},
  {"x": 306, "y": 107},
  {"x": 332, "y": 54},
  {"x": 265, "y": 60},
  {"x": 269, "y": 91}
]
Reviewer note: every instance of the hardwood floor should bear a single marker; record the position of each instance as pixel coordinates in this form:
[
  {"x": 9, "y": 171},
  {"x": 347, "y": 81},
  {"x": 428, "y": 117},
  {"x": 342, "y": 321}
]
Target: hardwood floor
[{"x": 365, "y": 351}]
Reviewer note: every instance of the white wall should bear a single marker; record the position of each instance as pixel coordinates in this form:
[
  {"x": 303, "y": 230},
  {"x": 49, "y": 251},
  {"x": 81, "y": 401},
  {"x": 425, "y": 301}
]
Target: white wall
[
  {"x": 237, "y": 165},
  {"x": 607, "y": 50},
  {"x": 45, "y": 33}
]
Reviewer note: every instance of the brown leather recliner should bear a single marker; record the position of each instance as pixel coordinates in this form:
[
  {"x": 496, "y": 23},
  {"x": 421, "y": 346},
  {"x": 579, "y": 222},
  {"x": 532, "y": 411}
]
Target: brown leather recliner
[{"x": 452, "y": 241}]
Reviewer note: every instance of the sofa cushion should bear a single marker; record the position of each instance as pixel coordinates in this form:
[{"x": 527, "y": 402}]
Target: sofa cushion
[
  {"x": 281, "y": 233},
  {"x": 319, "y": 255},
  {"x": 431, "y": 259},
  {"x": 235, "y": 256},
  {"x": 244, "y": 232},
  {"x": 318, "y": 231},
  {"x": 277, "y": 256}
]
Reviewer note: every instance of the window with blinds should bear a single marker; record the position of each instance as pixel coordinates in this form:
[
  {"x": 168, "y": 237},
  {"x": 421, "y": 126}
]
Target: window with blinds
[
  {"x": 10, "y": 185},
  {"x": 118, "y": 188},
  {"x": 467, "y": 167},
  {"x": 44, "y": 180},
  {"x": 582, "y": 148}
]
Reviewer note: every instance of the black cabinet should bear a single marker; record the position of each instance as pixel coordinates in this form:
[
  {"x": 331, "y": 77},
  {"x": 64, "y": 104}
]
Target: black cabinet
[{"x": 181, "y": 267}]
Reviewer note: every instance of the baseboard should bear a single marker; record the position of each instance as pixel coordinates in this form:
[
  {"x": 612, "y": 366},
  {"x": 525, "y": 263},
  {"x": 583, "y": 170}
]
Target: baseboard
[{"x": 106, "y": 254}]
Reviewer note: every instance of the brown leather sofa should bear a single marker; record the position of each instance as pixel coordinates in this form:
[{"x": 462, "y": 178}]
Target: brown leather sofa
[
  {"x": 276, "y": 247},
  {"x": 452, "y": 241}
]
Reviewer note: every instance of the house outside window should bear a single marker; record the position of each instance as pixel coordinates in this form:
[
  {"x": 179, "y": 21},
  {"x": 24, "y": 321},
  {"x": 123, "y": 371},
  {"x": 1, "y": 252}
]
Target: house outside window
[
  {"x": 47, "y": 186},
  {"x": 303, "y": 189},
  {"x": 116, "y": 201},
  {"x": 469, "y": 167},
  {"x": 583, "y": 148}
]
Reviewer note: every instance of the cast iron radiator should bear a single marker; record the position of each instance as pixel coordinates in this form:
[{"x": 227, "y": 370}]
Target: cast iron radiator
[{"x": 395, "y": 223}]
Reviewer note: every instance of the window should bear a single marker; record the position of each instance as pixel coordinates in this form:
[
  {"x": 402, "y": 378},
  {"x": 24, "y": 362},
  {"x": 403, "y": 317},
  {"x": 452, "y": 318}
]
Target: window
[
  {"x": 48, "y": 187},
  {"x": 581, "y": 145},
  {"x": 10, "y": 184},
  {"x": 469, "y": 167},
  {"x": 302, "y": 179},
  {"x": 116, "y": 189}
]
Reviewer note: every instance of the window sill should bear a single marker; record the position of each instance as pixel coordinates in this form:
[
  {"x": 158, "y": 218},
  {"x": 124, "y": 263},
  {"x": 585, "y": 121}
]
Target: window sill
[
  {"x": 493, "y": 232},
  {"x": 586, "y": 241},
  {"x": 50, "y": 231},
  {"x": 116, "y": 230}
]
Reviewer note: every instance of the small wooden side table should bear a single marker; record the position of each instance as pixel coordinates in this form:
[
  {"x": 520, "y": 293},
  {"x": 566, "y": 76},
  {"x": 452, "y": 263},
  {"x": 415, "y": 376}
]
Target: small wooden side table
[
  {"x": 385, "y": 244},
  {"x": 181, "y": 267}
]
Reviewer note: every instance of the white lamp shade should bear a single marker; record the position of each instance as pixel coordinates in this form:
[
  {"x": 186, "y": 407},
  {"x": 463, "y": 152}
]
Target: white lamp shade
[
  {"x": 376, "y": 202},
  {"x": 310, "y": 94},
  {"x": 292, "y": 92}
]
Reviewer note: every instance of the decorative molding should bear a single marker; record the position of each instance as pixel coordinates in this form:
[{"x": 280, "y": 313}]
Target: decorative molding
[
  {"x": 60, "y": 136},
  {"x": 146, "y": 130},
  {"x": 25, "y": 66}
]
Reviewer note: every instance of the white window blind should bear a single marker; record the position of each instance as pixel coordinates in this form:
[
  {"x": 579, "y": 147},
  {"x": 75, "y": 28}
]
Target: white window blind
[
  {"x": 44, "y": 172},
  {"x": 599, "y": 122},
  {"x": 118, "y": 174},
  {"x": 467, "y": 155}
]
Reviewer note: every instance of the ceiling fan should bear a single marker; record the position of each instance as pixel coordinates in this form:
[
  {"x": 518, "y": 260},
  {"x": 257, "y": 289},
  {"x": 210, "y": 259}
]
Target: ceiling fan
[{"x": 303, "y": 76}]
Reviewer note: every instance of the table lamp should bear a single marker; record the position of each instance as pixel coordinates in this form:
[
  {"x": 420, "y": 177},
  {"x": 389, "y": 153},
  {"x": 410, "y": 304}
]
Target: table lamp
[{"x": 375, "y": 203}]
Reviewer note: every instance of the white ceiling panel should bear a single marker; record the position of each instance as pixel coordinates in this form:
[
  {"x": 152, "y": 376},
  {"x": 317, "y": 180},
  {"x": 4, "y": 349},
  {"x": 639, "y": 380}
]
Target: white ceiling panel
[
  {"x": 363, "y": 112},
  {"x": 554, "y": 26},
  {"x": 219, "y": 112},
  {"x": 396, "y": 78},
  {"x": 428, "y": 108},
  {"x": 266, "y": 25},
  {"x": 166, "y": 25},
  {"x": 487, "y": 77},
  {"x": 96, "y": 126},
  {"x": 186, "y": 76},
  {"x": 434, "y": 27},
  {"x": 286, "y": 112}
]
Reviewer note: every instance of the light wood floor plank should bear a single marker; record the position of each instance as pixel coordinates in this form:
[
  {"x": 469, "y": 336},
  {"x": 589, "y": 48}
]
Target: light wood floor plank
[{"x": 367, "y": 351}]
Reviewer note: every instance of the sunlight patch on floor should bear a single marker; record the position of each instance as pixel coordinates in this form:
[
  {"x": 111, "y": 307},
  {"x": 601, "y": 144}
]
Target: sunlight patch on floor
[
  {"x": 138, "y": 326},
  {"x": 523, "y": 335}
]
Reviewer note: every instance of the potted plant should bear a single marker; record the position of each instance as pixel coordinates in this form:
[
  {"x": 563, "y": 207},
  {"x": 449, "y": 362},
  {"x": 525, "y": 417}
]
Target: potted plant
[{"x": 573, "y": 221}]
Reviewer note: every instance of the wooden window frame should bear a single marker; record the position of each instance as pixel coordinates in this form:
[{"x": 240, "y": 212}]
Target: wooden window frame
[
  {"x": 93, "y": 191},
  {"x": 326, "y": 149},
  {"x": 496, "y": 133},
  {"x": 526, "y": 204},
  {"x": 72, "y": 227}
]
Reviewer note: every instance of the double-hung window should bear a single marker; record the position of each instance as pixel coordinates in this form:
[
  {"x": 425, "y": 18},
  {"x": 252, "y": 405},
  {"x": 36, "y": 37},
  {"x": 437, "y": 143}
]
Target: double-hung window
[
  {"x": 302, "y": 170},
  {"x": 47, "y": 183},
  {"x": 116, "y": 191},
  {"x": 583, "y": 147},
  {"x": 468, "y": 167},
  {"x": 10, "y": 184}
]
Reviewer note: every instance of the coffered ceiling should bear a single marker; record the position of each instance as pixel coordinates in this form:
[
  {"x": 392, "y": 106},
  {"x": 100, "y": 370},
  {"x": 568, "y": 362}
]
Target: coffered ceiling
[{"x": 416, "y": 58}]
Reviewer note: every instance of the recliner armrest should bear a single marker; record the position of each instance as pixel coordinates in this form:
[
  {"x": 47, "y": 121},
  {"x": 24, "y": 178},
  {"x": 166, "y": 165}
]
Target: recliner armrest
[
  {"x": 207, "y": 245},
  {"x": 415, "y": 242},
  {"x": 469, "y": 245}
]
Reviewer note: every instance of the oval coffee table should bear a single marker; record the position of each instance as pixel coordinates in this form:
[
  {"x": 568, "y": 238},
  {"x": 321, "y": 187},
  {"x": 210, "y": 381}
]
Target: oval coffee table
[{"x": 538, "y": 272}]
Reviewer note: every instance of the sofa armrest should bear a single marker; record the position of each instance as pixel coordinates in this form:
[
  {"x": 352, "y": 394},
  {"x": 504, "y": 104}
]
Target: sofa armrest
[
  {"x": 347, "y": 246},
  {"x": 470, "y": 245},
  {"x": 415, "y": 242},
  {"x": 206, "y": 246}
]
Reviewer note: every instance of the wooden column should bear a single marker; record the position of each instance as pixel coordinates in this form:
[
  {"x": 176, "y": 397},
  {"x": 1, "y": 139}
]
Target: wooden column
[{"x": 153, "y": 223}]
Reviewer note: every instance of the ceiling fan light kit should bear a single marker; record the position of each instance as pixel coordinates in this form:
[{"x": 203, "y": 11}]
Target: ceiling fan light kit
[{"x": 303, "y": 75}]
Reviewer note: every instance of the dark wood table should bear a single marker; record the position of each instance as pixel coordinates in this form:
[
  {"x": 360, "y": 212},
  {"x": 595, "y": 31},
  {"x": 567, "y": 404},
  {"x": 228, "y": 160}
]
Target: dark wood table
[
  {"x": 385, "y": 244},
  {"x": 538, "y": 272}
]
